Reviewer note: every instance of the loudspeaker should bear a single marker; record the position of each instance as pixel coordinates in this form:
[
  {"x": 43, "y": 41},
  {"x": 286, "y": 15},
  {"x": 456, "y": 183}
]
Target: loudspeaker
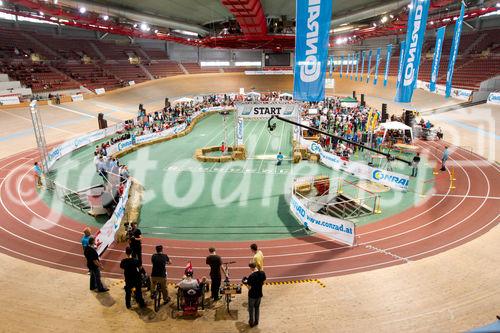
[
  {"x": 101, "y": 122},
  {"x": 385, "y": 116},
  {"x": 354, "y": 94},
  {"x": 409, "y": 117},
  {"x": 362, "y": 100}
]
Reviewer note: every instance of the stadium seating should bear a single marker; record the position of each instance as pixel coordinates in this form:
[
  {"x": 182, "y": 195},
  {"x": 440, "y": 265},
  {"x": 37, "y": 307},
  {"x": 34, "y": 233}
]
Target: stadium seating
[{"x": 161, "y": 69}]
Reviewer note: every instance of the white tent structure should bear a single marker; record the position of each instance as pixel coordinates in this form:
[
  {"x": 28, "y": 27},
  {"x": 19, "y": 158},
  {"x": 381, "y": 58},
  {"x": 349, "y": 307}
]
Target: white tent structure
[
  {"x": 253, "y": 93},
  {"x": 394, "y": 125},
  {"x": 286, "y": 95},
  {"x": 183, "y": 100}
]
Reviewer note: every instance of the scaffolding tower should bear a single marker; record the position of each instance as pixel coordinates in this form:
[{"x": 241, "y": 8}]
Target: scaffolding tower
[{"x": 39, "y": 135}]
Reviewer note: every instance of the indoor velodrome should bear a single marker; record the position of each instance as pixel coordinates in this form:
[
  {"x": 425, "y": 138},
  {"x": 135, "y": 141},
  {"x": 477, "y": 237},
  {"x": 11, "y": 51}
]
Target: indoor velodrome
[{"x": 250, "y": 166}]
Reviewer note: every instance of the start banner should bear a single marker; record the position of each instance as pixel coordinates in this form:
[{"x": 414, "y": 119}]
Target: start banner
[
  {"x": 262, "y": 110},
  {"x": 313, "y": 19},
  {"x": 337, "y": 229}
]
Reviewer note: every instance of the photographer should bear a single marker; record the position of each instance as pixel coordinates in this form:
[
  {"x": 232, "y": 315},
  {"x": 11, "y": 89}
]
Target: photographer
[{"x": 254, "y": 283}]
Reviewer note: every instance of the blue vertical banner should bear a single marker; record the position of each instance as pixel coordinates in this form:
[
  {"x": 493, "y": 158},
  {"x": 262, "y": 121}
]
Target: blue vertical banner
[
  {"x": 369, "y": 66},
  {"x": 454, "y": 50},
  {"x": 352, "y": 65},
  {"x": 377, "y": 63},
  {"x": 401, "y": 59},
  {"x": 357, "y": 65},
  {"x": 313, "y": 19},
  {"x": 417, "y": 21},
  {"x": 387, "y": 64},
  {"x": 362, "y": 65},
  {"x": 437, "y": 58},
  {"x": 348, "y": 65},
  {"x": 341, "y": 64},
  {"x": 330, "y": 70}
]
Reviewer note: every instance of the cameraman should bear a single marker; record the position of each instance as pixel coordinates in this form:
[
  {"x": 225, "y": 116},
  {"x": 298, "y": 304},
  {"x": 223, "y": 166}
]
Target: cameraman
[{"x": 254, "y": 283}]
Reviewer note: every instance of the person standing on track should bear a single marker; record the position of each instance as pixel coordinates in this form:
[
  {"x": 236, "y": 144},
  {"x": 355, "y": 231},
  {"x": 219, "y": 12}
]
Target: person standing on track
[
  {"x": 135, "y": 242},
  {"x": 446, "y": 155},
  {"x": 222, "y": 148},
  {"x": 94, "y": 265},
  {"x": 254, "y": 283},
  {"x": 279, "y": 158},
  {"x": 132, "y": 276},
  {"x": 85, "y": 238},
  {"x": 159, "y": 272},
  {"x": 258, "y": 257},
  {"x": 38, "y": 173},
  {"x": 215, "y": 263},
  {"x": 414, "y": 165}
]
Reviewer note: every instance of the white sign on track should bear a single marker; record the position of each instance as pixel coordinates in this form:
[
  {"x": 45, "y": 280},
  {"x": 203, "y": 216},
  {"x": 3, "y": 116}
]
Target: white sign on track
[{"x": 263, "y": 110}]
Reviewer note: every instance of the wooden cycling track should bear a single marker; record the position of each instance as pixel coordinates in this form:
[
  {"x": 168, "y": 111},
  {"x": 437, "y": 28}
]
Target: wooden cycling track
[{"x": 31, "y": 231}]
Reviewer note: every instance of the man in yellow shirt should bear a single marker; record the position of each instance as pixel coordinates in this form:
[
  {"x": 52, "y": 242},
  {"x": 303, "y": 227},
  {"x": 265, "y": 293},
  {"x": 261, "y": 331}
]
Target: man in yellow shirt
[{"x": 258, "y": 257}]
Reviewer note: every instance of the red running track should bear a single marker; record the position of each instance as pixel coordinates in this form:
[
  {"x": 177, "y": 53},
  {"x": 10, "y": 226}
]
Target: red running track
[{"x": 31, "y": 231}]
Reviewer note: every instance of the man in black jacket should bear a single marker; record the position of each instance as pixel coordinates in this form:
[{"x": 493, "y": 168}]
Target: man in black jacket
[
  {"x": 132, "y": 275},
  {"x": 159, "y": 272},
  {"x": 215, "y": 263},
  {"x": 254, "y": 283},
  {"x": 94, "y": 265}
]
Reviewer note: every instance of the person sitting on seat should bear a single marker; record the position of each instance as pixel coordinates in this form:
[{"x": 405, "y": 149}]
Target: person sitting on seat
[
  {"x": 279, "y": 157},
  {"x": 188, "y": 282}
]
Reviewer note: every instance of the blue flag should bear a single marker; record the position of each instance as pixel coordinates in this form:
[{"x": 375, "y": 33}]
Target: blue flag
[
  {"x": 437, "y": 58},
  {"x": 313, "y": 19},
  {"x": 357, "y": 65},
  {"x": 369, "y": 66},
  {"x": 331, "y": 66},
  {"x": 362, "y": 65},
  {"x": 387, "y": 64},
  {"x": 417, "y": 21},
  {"x": 348, "y": 65},
  {"x": 401, "y": 58},
  {"x": 377, "y": 63},
  {"x": 341, "y": 64},
  {"x": 352, "y": 65},
  {"x": 454, "y": 50}
]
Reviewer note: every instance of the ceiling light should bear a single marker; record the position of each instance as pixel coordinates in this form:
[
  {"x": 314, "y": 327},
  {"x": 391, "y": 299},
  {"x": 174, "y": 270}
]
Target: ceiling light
[
  {"x": 391, "y": 16},
  {"x": 144, "y": 26},
  {"x": 185, "y": 32},
  {"x": 156, "y": 31},
  {"x": 343, "y": 24},
  {"x": 483, "y": 9},
  {"x": 498, "y": 5},
  {"x": 374, "y": 24},
  {"x": 432, "y": 22},
  {"x": 384, "y": 19},
  {"x": 41, "y": 14},
  {"x": 135, "y": 25},
  {"x": 105, "y": 17},
  {"x": 82, "y": 10}
]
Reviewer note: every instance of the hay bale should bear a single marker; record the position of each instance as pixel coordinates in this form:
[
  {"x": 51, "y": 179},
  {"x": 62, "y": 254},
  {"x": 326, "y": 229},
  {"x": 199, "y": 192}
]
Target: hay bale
[
  {"x": 297, "y": 157},
  {"x": 303, "y": 189},
  {"x": 314, "y": 158},
  {"x": 227, "y": 158}
]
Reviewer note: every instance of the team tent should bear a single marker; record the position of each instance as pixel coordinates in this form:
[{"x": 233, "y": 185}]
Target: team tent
[
  {"x": 348, "y": 102},
  {"x": 396, "y": 126}
]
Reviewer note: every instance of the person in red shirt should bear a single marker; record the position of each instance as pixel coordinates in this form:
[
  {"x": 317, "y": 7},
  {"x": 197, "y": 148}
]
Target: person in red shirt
[{"x": 222, "y": 148}]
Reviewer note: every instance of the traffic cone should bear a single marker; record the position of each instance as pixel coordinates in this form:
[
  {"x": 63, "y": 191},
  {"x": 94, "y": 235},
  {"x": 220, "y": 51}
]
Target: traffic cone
[
  {"x": 435, "y": 171},
  {"x": 378, "y": 210},
  {"x": 452, "y": 174}
]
